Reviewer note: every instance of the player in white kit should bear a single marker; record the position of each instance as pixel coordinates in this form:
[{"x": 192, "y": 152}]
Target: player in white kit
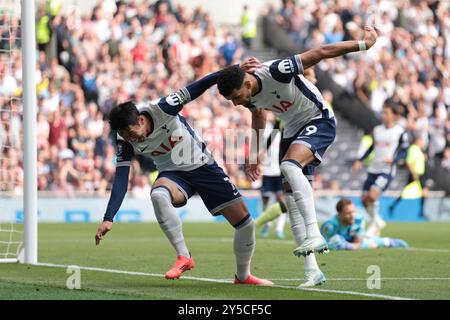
[
  {"x": 310, "y": 128},
  {"x": 185, "y": 167},
  {"x": 390, "y": 143}
]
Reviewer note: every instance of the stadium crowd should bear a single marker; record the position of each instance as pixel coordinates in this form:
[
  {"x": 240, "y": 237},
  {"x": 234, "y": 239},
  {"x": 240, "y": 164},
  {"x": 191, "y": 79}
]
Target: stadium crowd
[
  {"x": 410, "y": 62},
  {"x": 122, "y": 51},
  {"x": 119, "y": 52}
]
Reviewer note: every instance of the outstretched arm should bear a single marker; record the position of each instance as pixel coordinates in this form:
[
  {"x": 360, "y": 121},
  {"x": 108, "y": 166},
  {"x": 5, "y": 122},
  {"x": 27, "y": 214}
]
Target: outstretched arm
[
  {"x": 118, "y": 192},
  {"x": 314, "y": 56},
  {"x": 119, "y": 189},
  {"x": 173, "y": 103}
]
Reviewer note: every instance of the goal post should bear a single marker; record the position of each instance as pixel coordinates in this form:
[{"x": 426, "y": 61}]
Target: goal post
[
  {"x": 18, "y": 147},
  {"x": 29, "y": 121}
]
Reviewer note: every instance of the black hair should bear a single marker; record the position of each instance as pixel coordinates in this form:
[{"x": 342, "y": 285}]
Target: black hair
[
  {"x": 229, "y": 79},
  {"x": 123, "y": 115},
  {"x": 391, "y": 104}
]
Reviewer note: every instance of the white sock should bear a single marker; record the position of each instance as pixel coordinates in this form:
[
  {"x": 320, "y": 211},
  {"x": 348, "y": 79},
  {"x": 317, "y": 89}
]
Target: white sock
[
  {"x": 299, "y": 230},
  {"x": 280, "y": 223},
  {"x": 373, "y": 211},
  {"x": 296, "y": 220},
  {"x": 244, "y": 245},
  {"x": 168, "y": 220},
  {"x": 303, "y": 196}
]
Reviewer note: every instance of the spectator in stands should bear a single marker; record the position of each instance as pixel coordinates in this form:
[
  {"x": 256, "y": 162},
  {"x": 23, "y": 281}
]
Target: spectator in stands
[{"x": 446, "y": 159}]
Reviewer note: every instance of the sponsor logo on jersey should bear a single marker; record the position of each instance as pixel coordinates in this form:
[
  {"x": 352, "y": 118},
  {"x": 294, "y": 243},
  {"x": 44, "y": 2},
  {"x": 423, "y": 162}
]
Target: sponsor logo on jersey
[
  {"x": 166, "y": 148},
  {"x": 283, "y": 107}
]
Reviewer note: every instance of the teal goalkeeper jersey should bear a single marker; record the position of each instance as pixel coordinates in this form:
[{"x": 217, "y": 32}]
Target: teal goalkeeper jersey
[{"x": 332, "y": 227}]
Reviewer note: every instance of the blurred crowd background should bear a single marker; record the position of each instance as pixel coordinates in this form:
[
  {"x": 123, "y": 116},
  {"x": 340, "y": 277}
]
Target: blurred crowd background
[
  {"x": 410, "y": 62},
  {"x": 142, "y": 51}
]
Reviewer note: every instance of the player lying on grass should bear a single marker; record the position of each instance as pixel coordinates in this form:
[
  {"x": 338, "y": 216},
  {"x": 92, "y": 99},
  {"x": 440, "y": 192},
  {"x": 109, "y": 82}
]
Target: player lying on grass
[
  {"x": 346, "y": 231},
  {"x": 185, "y": 167},
  {"x": 309, "y": 129}
]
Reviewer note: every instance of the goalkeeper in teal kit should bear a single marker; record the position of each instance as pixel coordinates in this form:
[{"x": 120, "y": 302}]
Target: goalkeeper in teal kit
[{"x": 346, "y": 231}]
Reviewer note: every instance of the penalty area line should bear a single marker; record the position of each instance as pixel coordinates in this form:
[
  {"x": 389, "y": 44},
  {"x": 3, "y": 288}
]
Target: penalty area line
[{"x": 157, "y": 275}]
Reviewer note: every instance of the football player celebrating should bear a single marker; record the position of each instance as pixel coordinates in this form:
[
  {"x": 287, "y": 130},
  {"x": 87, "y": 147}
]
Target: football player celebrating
[
  {"x": 309, "y": 129},
  {"x": 185, "y": 167}
]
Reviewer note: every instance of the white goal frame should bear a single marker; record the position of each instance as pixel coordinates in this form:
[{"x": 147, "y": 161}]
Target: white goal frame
[{"x": 30, "y": 234}]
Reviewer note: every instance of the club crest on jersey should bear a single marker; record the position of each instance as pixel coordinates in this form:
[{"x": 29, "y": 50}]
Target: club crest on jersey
[
  {"x": 164, "y": 127},
  {"x": 173, "y": 99},
  {"x": 286, "y": 66},
  {"x": 176, "y": 98}
]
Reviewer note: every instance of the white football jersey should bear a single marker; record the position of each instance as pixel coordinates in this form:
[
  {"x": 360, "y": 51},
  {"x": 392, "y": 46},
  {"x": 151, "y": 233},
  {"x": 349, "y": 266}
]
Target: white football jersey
[
  {"x": 286, "y": 92},
  {"x": 173, "y": 145},
  {"x": 386, "y": 141}
]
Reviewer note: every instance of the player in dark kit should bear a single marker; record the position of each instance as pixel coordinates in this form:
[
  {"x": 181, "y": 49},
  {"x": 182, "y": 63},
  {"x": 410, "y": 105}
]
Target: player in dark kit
[
  {"x": 309, "y": 129},
  {"x": 185, "y": 167}
]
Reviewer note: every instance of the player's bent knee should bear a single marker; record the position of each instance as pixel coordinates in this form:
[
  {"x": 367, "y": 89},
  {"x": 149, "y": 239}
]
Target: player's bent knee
[
  {"x": 288, "y": 166},
  {"x": 373, "y": 194},
  {"x": 299, "y": 153},
  {"x": 177, "y": 197},
  {"x": 287, "y": 187},
  {"x": 162, "y": 194},
  {"x": 245, "y": 221},
  {"x": 235, "y": 212}
]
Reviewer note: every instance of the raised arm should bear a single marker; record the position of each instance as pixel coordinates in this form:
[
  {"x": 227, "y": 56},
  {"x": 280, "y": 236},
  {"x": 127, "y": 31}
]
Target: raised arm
[{"x": 314, "y": 56}]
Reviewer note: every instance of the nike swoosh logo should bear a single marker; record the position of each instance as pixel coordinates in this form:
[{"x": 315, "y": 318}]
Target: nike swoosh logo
[{"x": 142, "y": 150}]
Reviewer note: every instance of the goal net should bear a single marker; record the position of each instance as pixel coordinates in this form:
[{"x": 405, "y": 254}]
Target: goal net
[{"x": 11, "y": 133}]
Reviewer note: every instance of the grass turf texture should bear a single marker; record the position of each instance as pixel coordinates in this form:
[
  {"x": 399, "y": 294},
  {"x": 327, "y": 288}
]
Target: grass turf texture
[{"x": 143, "y": 248}]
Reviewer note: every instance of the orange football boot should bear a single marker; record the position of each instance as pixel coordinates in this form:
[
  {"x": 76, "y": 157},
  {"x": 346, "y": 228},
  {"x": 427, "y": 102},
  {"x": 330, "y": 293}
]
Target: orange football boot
[
  {"x": 253, "y": 280},
  {"x": 181, "y": 265}
]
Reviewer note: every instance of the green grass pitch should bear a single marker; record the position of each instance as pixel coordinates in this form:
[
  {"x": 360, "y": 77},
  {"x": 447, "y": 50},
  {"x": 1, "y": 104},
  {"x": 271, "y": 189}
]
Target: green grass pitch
[{"x": 422, "y": 272}]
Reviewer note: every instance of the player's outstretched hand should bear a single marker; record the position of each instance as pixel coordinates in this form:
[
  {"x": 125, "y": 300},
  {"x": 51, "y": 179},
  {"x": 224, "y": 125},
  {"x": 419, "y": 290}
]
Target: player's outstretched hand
[
  {"x": 250, "y": 65},
  {"x": 370, "y": 36},
  {"x": 103, "y": 229},
  {"x": 253, "y": 171}
]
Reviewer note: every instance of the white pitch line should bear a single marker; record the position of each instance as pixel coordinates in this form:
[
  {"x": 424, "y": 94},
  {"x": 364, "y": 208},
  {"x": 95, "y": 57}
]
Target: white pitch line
[
  {"x": 358, "y": 279},
  {"x": 430, "y": 250},
  {"x": 354, "y": 293},
  {"x": 290, "y": 242}
]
